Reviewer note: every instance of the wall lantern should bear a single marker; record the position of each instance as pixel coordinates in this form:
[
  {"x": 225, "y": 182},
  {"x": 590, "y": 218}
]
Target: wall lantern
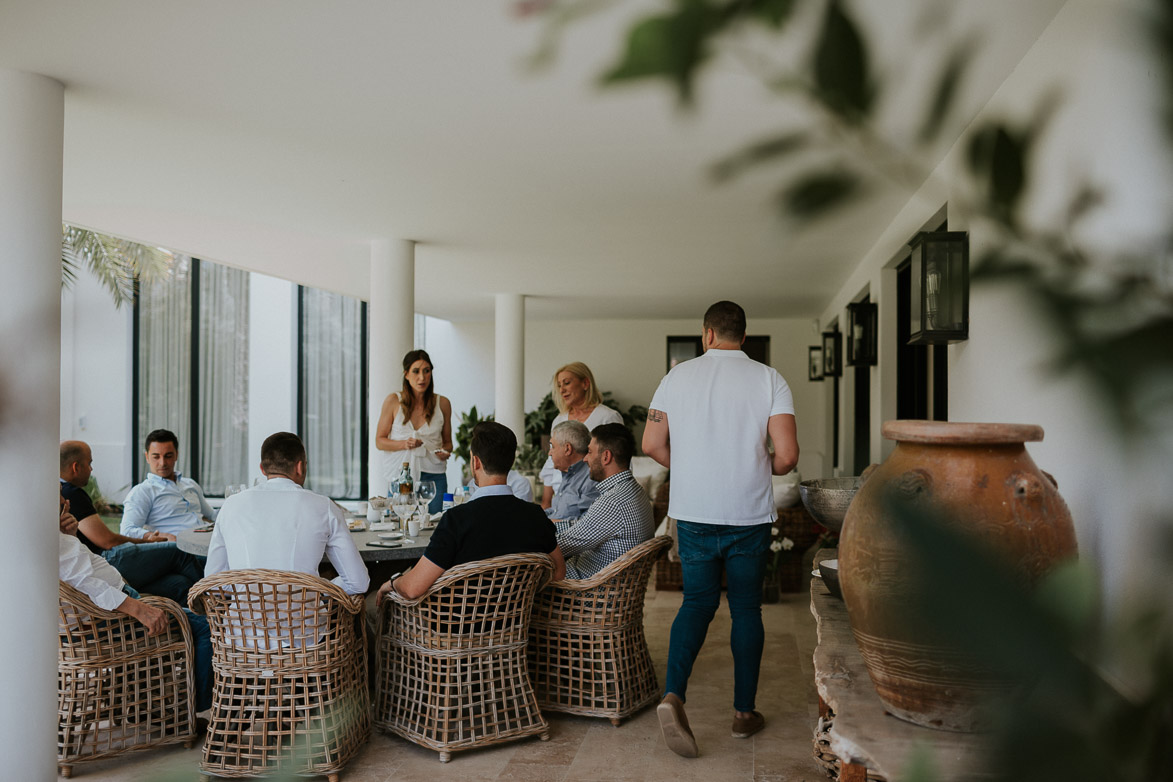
[
  {"x": 832, "y": 360},
  {"x": 940, "y": 288},
  {"x": 861, "y": 331}
]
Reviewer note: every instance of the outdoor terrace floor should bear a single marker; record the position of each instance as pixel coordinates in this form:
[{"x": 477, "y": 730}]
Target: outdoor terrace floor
[{"x": 587, "y": 750}]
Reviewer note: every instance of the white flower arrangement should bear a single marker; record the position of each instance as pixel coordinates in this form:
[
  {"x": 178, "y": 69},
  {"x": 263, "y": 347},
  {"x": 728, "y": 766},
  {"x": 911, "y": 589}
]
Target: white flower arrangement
[
  {"x": 776, "y": 546},
  {"x": 787, "y": 543}
]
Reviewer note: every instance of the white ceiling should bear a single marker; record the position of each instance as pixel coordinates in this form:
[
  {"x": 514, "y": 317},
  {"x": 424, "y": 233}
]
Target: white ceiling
[{"x": 284, "y": 135}]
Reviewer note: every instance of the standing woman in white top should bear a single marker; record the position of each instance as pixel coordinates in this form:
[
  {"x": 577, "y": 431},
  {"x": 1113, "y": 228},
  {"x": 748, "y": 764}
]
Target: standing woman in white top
[
  {"x": 578, "y": 399},
  {"x": 415, "y": 426}
]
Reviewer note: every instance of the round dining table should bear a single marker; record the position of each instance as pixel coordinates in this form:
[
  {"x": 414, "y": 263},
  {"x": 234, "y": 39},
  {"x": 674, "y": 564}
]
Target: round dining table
[{"x": 195, "y": 541}]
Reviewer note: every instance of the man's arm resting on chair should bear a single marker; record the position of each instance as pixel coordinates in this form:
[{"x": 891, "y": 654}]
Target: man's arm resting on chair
[
  {"x": 414, "y": 582},
  {"x": 148, "y": 616}
]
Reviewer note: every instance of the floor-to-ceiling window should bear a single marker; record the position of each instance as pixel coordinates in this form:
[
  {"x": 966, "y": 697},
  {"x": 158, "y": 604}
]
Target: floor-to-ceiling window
[
  {"x": 191, "y": 369},
  {"x": 192, "y": 376},
  {"x": 162, "y": 361},
  {"x": 332, "y": 396}
]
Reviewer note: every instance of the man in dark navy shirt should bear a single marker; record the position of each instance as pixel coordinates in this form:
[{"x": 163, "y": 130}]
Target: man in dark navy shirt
[
  {"x": 492, "y": 524},
  {"x": 152, "y": 564}
]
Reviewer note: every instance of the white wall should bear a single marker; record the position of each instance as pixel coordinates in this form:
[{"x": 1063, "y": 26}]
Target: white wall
[
  {"x": 96, "y": 380},
  {"x": 627, "y": 357},
  {"x": 1104, "y": 129}
]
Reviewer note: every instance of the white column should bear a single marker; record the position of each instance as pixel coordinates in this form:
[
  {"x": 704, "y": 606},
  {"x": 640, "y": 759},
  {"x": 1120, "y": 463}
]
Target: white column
[
  {"x": 509, "y": 387},
  {"x": 391, "y": 324},
  {"x": 32, "y": 112}
]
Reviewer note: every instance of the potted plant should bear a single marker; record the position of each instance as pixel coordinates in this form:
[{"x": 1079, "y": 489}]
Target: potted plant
[{"x": 463, "y": 438}]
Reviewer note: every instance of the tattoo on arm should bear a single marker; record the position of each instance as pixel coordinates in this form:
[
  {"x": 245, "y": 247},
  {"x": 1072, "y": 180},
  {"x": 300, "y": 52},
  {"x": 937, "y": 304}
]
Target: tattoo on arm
[{"x": 656, "y": 417}]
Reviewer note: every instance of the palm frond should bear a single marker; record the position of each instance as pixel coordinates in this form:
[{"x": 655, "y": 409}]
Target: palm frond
[{"x": 118, "y": 264}]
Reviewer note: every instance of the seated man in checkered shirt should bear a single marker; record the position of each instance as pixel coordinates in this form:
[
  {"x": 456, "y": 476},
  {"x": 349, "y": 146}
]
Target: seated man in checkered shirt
[{"x": 619, "y": 519}]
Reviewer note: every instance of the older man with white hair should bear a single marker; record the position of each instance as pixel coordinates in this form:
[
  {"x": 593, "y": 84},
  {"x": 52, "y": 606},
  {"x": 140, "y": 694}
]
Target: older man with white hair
[{"x": 569, "y": 442}]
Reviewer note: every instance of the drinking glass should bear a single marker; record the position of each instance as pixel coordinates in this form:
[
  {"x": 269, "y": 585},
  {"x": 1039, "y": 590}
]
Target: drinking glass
[
  {"x": 426, "y": 492},
  {"x": 403, "y": 505}
]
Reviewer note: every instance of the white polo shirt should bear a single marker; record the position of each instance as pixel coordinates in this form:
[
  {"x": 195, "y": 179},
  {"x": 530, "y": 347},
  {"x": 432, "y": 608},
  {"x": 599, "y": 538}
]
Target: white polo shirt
[{"x": 718, "y": 406}]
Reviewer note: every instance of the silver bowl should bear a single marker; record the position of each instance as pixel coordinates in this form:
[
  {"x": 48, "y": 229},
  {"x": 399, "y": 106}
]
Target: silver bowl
[
  {"x": 827, "y": 499},
  {"x": 829, "y": 571}
]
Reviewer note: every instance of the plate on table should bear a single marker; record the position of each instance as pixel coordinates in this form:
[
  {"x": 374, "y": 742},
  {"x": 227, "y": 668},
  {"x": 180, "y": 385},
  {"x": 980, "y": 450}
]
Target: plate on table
[{"x": 391, "y": 535}]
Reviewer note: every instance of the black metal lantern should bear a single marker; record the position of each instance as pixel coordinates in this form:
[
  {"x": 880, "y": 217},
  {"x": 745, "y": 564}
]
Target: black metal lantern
[
  {"x": 861, "y": 334},
  {"x": 832, "y": 360},
  {"x": 940, "y": 288}
]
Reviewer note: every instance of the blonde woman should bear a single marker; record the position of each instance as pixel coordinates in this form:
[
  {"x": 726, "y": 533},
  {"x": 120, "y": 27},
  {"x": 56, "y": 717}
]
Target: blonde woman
[
  {"x": 415, "y": 426},
  {"x": 578, "y": 399}
]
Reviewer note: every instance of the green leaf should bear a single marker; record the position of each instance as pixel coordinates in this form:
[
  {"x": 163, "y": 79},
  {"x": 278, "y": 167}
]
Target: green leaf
[
  {"x": 775, "y": 13},
  {"x": 945, "y": 92},
  {"x": 759, "y": 152},
  {"x": 998, "y": 159},
  {"x": 1070, "y": 595},
  {"x": 841, "y": 66},
  {"x": 672, "y": 47},
  {"x": 815, "y": 194}
]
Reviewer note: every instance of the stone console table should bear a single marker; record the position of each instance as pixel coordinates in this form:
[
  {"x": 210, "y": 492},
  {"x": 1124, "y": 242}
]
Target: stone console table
[{"x": 870, "y": 743}]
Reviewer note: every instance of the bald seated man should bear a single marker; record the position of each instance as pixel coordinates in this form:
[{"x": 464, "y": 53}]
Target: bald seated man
[{"x": 152, "y": 564}]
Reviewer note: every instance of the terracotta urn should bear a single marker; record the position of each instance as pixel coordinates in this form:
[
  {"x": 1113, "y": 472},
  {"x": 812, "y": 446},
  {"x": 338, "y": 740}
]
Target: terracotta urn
[{"x": 980, "y": 479}]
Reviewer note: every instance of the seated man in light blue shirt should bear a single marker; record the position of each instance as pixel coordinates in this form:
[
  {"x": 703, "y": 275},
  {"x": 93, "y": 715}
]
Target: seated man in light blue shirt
[
  {"x": 165, "y": 502},
  {"x": 569, "y": 442}
]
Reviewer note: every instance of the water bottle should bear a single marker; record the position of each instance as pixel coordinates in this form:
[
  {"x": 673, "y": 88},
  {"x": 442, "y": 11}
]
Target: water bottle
[{"x": 447, "y": 502}]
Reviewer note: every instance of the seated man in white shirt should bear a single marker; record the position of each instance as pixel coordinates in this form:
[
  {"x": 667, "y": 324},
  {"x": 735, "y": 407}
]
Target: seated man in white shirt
[
  {"x": 282, "y": 526},
  {"x": 95, "y": 578},
  {"x": 165, "y": 502}
]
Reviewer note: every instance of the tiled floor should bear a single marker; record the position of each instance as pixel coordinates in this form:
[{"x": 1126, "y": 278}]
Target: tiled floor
[{"x": 584, "y": 750}]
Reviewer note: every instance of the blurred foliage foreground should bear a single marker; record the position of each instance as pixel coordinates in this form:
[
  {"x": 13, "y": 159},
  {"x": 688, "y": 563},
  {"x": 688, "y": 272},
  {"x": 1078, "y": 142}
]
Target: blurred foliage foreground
[{"x": 1093, "y": 698}]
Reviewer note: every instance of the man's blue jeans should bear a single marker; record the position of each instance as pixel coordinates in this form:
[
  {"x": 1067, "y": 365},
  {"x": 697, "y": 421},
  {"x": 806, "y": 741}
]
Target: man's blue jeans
[
  {"x": 201, "y": 637},
  {"x": 706, "y": 550},
  {"x": 157, "y": 568}
]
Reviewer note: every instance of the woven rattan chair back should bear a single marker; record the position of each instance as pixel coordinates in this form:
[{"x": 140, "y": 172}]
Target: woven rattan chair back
[
  {"x": 451, "y": 663},
  {"x": 118, "y": 689},
  {"x": 289, "y": 656},
  {"x": 587, "y": 653}
]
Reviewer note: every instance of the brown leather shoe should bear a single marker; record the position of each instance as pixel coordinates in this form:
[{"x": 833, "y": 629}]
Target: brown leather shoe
[
  {"x": 744, "y": 727},
  {"x": 674, "y": 724}
]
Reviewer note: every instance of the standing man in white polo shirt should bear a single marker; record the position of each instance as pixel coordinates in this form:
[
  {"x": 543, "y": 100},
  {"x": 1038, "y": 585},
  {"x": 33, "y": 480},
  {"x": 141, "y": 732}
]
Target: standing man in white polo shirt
[{"x": 711, "y": 421}]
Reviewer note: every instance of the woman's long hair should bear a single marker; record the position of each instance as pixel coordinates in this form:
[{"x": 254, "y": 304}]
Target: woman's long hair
[
  {"x": 582, "y": 372},
  {"x": 407, "y": 397}
]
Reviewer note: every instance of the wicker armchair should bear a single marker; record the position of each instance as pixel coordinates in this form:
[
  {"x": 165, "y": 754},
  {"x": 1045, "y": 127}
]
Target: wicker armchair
[
  {"x": 451, "y": 668},
  {"x": 119, "y": 690},
  {"x": 290, "y": 692},
  {"x": 587, "y": 650}
]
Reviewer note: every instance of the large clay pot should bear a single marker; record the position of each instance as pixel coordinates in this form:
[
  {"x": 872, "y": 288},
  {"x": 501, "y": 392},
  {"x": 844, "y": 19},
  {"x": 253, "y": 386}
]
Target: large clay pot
[{"x": 979, "y": 478}]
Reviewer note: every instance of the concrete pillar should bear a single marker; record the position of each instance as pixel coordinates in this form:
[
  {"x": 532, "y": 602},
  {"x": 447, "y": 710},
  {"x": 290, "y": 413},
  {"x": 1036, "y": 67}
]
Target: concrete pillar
[
  {"x": 509, "y": 387},
  {"x": 32, "y": 114},
  {"x": 391, "y": 324}
]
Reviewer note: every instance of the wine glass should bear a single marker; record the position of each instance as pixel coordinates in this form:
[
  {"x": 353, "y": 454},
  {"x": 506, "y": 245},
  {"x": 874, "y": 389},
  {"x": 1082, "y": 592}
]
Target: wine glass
[
  {"x": 404, "y": 506},
  {"x": 426, "y": 491}
]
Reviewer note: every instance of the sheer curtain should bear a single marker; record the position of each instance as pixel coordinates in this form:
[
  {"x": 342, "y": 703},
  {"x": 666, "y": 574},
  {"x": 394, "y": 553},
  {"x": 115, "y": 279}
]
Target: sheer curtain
[
  {"x": 223, "y": 377},
  {"x": 164, "y": 360},
  {"x": 332, "y": 392}
]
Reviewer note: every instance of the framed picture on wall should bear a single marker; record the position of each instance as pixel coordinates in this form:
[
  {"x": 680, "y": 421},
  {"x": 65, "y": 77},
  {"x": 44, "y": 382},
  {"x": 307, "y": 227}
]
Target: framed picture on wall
[
  {"x": 832, "y": 360},
  {"x": 682, "y": 349},
  {"x": 815, "y": 364}
]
